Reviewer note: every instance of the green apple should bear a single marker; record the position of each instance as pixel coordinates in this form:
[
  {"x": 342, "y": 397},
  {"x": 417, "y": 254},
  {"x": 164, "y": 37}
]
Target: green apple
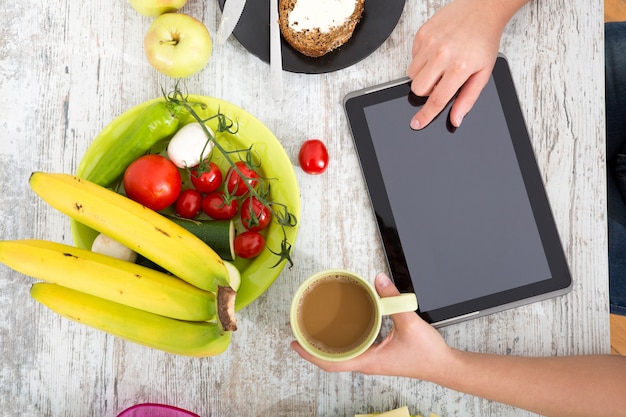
[
  {"x": 177, "y": 45},
  {"x": 154, "y": 8}
]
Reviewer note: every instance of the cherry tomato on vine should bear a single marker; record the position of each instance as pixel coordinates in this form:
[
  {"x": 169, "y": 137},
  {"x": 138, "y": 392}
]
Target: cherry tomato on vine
[
  {"x": 216, "y": 206},
  {"x": 189, "y": 203},
  {"x": 207, "y": 181},
  {"x": 313, "y": 157},
  {"x": 249, "y": 244},
  {"x": 235, "y": 184},
  {"x": 153, "y": 181},
  {"x": 254, "y": 215}
]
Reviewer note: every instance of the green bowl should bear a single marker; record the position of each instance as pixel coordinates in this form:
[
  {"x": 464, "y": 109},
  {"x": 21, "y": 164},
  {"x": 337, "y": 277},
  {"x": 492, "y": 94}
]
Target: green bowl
[{"x": 256, "y": 274}]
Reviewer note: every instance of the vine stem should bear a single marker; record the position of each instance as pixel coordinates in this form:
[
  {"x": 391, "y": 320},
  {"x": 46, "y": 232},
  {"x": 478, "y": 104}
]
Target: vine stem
[{"x": 285, "y": 219}]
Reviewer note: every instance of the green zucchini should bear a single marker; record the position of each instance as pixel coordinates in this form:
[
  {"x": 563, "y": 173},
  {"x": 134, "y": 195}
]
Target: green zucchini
[
  {"x": 123, "y": 142},
  {"x": 218, "y": 234}
]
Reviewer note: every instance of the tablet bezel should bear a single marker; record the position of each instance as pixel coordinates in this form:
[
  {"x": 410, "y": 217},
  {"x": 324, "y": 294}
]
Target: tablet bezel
[{"x": 560, "y": 281}]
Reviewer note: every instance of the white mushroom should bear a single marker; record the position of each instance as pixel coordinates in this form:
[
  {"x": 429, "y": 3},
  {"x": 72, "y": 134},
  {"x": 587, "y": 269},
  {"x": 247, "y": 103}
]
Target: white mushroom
[{"x": 189, "y": 146}]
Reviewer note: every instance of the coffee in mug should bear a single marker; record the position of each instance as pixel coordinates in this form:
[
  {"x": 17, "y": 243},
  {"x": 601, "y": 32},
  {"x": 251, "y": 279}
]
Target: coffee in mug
[{"x": 336, "y": 315}]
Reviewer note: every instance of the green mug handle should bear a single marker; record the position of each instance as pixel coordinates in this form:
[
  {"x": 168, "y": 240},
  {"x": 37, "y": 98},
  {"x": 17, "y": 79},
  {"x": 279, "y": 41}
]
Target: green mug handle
[{"x": 398, "y": 304}]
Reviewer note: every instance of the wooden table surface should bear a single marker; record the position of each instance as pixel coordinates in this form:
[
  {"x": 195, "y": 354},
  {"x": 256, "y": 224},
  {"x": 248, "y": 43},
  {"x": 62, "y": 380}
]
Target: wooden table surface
[{"x": 68, "y": 68}]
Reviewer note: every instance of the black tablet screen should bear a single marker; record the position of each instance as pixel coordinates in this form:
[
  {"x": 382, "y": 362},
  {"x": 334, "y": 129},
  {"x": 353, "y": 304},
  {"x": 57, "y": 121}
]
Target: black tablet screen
[
  {"x": 462, "y": 213},
  {"x": 459, "y": 202}
]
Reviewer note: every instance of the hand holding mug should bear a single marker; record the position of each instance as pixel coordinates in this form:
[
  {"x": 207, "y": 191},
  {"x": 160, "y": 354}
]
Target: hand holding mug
[{"x": 413, "y": 348}]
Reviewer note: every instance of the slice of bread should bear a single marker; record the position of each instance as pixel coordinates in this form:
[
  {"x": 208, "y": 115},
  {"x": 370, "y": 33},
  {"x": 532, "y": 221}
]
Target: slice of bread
[{"x": 321, "y": 33}]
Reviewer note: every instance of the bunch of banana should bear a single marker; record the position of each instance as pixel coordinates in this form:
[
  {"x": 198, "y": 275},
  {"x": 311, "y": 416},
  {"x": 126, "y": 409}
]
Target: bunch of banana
[
  {"x": 190, "y": 313},
  {"x": 135, "y": 226},
  {"x": 189, "y": 338}
]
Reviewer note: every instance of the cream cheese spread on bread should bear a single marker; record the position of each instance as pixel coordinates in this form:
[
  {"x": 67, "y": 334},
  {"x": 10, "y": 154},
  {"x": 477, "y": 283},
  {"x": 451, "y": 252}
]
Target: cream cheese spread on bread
[
  {"x": 316, "y": 27},
  {"x": 320, "y": 14}
]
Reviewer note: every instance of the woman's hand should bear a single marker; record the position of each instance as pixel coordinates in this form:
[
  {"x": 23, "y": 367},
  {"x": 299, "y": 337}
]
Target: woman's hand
[
  {"x": 455, "y": 51},
  {"x": 413, "y": 348}
]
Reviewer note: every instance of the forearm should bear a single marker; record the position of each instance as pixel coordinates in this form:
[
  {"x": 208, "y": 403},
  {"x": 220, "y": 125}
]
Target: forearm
[
  {"x": 507, "y": 8},
  {"x": 494, "y": 12},
  {"x": 553, "y": 386}
]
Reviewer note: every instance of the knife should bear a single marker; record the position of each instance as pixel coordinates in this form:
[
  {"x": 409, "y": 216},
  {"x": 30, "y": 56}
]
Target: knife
[
  {"x": 276, "y": 59},
  {"x": 230, "y": 16}
]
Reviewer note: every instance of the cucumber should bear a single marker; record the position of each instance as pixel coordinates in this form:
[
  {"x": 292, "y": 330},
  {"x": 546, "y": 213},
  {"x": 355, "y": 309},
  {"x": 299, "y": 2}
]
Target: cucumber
[
  {"x": 218, "y": 234},
  {"x": 143, "y": 261}
]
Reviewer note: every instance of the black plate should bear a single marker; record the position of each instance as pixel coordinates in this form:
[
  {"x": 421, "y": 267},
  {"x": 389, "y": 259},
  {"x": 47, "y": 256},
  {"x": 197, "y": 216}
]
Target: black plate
[{"x": 379, "y": 19}]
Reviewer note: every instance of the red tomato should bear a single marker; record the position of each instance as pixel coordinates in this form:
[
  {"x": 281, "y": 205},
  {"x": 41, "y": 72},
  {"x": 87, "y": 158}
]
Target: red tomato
[
  {"x": 153, "y": 181},
  {"x": 254, "y": 215},
  {"x": 207, "y": 181},
  {"x": 217, "y": 207},
  {"x": 235, "y": 184},
  {"x": 189, "y": 203},
  {"x": 249, "y": 244},
  {"x": 313, "y": 157}
]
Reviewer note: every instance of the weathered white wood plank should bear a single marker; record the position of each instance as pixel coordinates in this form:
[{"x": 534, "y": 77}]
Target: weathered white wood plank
[{"x": 68, "y": 68}]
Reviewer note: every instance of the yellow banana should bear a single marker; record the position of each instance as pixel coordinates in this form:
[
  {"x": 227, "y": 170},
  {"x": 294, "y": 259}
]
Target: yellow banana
[
  {"x": 170, "y": 335},
  {"x": 109, "y": 278},
  {"x": 134, "y": 225}
]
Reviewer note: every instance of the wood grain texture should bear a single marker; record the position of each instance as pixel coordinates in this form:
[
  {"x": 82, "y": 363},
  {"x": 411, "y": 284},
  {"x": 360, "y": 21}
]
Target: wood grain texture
[
  {"x": 68, "y": 68},
  {"x": 618, "y": 334},
  {"x": 614, "y": 10}
]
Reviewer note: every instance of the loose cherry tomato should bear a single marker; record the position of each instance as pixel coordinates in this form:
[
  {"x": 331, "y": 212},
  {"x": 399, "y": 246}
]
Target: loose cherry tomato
[
  {"x": 216, "y": 206},
  {"x": 313, "y": 157},
  {"x": 153, "y": 181},
  {"x": 235, "y": 184},
  {"x": 254, "y": 215},
  {"x": 249, "y": 244},
  {"x": 208, "y": 180},
  {"x": 189, "y": 203}
]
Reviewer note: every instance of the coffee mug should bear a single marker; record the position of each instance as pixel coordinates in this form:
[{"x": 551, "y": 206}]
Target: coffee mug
[{"x": 336, "y": 315}]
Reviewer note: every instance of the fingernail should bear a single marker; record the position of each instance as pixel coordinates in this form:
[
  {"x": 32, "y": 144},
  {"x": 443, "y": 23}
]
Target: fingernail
[
  {"x": 383, "y": 280},
  {"x": 458, "y": 121},
  {"x": 415, "y": 124}
]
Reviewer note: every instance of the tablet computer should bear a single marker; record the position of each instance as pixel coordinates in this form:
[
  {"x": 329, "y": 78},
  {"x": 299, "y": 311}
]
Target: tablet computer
[{"x": 462, "y": 213}]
